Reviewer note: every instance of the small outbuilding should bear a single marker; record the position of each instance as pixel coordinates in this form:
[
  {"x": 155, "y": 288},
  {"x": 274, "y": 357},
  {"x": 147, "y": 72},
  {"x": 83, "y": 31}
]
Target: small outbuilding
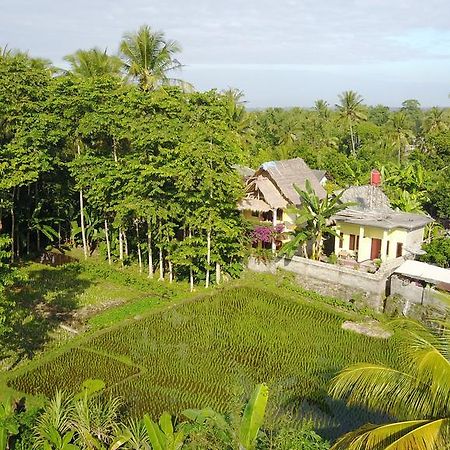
[{"x": 421, "y": 284}]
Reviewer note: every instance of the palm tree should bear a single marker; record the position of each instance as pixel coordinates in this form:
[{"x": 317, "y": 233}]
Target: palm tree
[
  {"x": 418, "y": 395},
  {"x": 401, "y": 134},
  {"x": 313, "y": 221},
  {"x": 351, "y": 111},
  {"x": 93, "y": 63},
  {"x": 435, "y": 120},
  {"x": 322, "y": 108},
  {"x": 148, "y": 58}
]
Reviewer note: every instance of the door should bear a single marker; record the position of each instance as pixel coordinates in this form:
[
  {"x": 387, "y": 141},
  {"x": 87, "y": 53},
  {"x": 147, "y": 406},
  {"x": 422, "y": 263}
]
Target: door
[{"x": 375, "y": 251}]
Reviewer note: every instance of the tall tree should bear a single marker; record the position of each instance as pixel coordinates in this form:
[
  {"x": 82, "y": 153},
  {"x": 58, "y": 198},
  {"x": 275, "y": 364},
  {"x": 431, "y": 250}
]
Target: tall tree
[
  {"x": 93, "y": 63},
  {"x": 401, "y": 134},
  {"x": 149, "y": 58},
  {"x": 351, "y": 111},
  {"x": 435, "y": 120}
]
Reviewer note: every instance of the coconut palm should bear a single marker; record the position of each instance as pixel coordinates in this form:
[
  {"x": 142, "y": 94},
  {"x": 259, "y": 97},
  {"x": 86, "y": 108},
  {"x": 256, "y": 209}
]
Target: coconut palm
[
  {"x": 148, "y": 58},
  {"x": 322, "y": 108},
  {"x": 401, "y": 134},
  {"x": 93, "y": 63},
  {"x": 351, "y": 111},
  {"x": 435, "y": 120},
  {"x": 417, "y": 395},
  {"x": 313, "y": 221}
]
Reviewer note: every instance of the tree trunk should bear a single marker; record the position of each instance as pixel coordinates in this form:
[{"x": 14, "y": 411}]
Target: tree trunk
[
  {"x": 83, "y": 230},
  {"x": 208, "y": 257},
  {"x": 114, "y": 144},
  {"x": 170, "y": 270},
  {"x": 218, "y": 273},
  {"x": 150, "y": 253},
  {"x": 108, "y": 244},
  {"x": 353, "y": 139},
  {"x": 125, "y": 240},
  {"x": 120, "y": 246},
  {"x": 28, "y": 241},
  {"x": 161, "y": 265},
  {"x": 138, "y": 247},
  {"x": 191, "y": 272}
]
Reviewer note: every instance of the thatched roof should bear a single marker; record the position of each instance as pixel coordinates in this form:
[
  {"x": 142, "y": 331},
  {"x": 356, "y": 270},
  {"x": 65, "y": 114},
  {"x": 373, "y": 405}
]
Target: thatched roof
[
  {"x": 285, "y": 173},
  {"x": 253, "y": 204}
]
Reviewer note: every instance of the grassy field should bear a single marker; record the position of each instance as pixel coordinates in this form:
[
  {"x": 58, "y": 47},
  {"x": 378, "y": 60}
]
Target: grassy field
[
  {"x": 82, "y": 296},
  {"x": 211, "y": 351}
]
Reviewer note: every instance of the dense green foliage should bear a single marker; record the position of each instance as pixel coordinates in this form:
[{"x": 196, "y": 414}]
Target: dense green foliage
[
  {"x": 89, "y": 420},
  {"x": 438, "y": 252},
  {"x": 95, "y": 161},
  {"x": 210, "y": 351}
]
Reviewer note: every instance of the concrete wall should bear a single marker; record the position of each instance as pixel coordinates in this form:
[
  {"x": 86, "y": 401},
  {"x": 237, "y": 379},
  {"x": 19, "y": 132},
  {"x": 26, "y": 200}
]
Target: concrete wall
[
  {"x": 416, "y": 297},
  {"x": 335, "y": 280}
]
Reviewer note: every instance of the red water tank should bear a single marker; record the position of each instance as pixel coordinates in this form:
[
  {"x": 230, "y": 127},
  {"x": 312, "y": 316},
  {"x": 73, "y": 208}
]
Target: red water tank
[{"x": 375, "y": 177}]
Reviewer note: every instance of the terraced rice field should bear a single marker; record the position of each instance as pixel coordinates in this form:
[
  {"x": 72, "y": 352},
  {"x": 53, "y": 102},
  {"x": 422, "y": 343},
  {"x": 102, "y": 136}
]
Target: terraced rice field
[{"x": 213, "y": 350}]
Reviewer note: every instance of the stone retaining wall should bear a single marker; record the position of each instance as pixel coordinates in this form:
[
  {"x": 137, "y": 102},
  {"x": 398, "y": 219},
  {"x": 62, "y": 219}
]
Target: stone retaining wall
[{"x": 335, "y": 280}]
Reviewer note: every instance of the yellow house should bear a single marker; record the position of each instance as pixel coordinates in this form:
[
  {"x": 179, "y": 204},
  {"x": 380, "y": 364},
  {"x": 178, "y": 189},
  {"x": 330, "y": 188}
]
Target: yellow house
[{"x": 370, "y": 229}]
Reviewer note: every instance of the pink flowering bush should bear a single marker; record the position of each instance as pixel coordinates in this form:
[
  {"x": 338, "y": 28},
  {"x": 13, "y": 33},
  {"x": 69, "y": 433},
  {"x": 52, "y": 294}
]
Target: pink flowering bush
[{"x": 266, "y": 235}]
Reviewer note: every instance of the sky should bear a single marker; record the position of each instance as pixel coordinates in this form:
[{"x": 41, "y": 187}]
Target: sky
[{"x": 278, "y": 52}]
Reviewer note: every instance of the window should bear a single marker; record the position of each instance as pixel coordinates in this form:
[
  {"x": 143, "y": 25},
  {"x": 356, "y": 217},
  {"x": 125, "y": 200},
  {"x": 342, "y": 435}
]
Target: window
[
  {"x": 341, "y": 240},
  {"x": 399, "y": 249},
  {"x": 387, "y": 248},
  {"x": 279, "y": 214},
  {"x": 354, "y": 242},
  {"x": 255, "y": 213}
]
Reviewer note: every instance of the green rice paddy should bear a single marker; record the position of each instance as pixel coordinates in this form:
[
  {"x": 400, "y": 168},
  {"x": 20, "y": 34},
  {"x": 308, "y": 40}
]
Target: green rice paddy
[{"x": 212, "y": 350}]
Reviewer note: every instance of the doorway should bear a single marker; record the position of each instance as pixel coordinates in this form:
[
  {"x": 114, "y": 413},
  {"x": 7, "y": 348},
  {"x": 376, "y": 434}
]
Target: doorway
[{"x": 375, "y": 251}]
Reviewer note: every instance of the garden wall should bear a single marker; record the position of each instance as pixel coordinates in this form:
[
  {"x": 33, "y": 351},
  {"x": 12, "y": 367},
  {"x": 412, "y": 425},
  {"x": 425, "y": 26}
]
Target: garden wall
[
  {"x": 415, "y": 299},
  {"x": 329, "y": 279}
]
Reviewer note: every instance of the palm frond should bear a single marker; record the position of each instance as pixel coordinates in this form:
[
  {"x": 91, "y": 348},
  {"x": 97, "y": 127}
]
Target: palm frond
[
  {"x": 408, "y": 435},
  {"x": 383, "y": 389}
]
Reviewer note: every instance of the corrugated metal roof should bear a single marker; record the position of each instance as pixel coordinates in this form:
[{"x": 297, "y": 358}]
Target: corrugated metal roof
[
  {"x": 366, "y": 198},
  {"x": 424, "y": 271},
  {"x": 387, "y": 219}
]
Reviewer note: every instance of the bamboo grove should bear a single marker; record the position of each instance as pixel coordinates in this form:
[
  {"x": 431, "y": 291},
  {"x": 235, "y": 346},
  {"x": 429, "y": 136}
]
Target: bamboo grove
[{"x": 141, "y": 176}]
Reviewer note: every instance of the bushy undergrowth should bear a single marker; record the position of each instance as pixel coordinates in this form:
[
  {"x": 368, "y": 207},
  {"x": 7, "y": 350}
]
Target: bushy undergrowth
[{"x": 208, "y": 352}]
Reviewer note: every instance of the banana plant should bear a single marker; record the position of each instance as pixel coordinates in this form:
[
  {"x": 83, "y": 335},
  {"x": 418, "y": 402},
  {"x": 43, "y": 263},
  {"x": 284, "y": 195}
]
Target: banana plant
[
  {"x": 9, "y": 425},
  {"x": 162, "y": 436},
  {"x": 250, "y": 423},
  {"x": 253, "y": 417},
  {"x": 57, "y": 442}
]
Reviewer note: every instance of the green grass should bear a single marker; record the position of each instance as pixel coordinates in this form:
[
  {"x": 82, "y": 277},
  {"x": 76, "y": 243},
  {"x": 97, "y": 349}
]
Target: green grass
[
  {"x": 84, "y": 295},
  {"x": 214, "y": 349}
]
